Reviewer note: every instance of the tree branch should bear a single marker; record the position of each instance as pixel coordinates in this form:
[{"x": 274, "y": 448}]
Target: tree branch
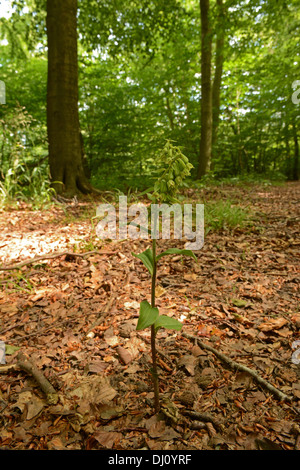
[
  {"x": 24, "y": 364},
  {"x": 50, "y": 256},
  {"x": 236, "y": 366}
]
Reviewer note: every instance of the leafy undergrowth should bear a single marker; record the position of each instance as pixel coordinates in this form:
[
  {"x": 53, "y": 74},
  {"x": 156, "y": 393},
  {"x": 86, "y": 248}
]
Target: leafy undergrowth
[{"x": 74, "y": 317}]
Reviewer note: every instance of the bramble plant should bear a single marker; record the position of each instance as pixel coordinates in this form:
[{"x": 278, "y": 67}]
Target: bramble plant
[{"x": 175, "y": 167}]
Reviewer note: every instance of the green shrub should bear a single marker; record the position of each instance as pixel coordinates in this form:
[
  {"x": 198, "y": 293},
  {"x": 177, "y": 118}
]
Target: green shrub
[{"x": 221, "y": 215}]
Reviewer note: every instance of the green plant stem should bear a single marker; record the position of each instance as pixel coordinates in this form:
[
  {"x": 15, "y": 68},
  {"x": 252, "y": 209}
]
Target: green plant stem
[
  {"x": 154, "y": 274},
  {"x": 153, "y": 334}
]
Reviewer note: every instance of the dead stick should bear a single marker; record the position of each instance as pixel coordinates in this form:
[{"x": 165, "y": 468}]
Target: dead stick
[
  {"x": 47, "y": 388},
  {"x": 236, "y": 366},
  {"x": 24, "y": 364},
  {"x": 51, "y": 256}
]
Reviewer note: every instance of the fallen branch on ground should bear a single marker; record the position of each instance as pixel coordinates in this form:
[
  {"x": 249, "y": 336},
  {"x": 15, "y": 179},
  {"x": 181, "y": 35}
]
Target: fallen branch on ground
[
  {"x": 51, "y": 256},
  {"x": 24, "y": 364},
  {"x": 236, "y": 366}
]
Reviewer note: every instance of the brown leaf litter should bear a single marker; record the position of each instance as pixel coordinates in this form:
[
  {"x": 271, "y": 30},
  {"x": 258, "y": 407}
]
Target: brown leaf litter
[{"x": 74, "y": 318}]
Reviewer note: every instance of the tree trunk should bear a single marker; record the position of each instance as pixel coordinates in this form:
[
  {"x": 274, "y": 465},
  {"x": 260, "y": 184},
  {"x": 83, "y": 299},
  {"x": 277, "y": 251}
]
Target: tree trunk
[
  {"x": 218, "y": 71},
  {"x": 296, "y": 154},
  {"x": 65, "y": 149},
  {"x": 206, "y": 91}
]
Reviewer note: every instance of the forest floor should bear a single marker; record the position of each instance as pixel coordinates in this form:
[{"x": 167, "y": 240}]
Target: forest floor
[{"x": 74, "y": 319}]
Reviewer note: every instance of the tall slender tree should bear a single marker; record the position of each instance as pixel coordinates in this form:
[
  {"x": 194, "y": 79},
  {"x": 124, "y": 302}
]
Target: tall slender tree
[
  {"x": 206, "y": 91},
  {"x": 219, "y": 61},
  {"x": 296, "y": 166}
]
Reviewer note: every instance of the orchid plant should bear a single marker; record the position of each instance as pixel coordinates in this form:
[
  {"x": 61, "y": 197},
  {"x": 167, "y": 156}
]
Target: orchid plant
[{"x": 175, "y": 167}]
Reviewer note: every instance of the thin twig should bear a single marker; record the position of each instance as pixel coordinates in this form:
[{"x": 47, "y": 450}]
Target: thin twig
[
  {"x": 51, "y": 256},
  {"x": 236, "y": 366},
  {"x": 26, "y": 365}
]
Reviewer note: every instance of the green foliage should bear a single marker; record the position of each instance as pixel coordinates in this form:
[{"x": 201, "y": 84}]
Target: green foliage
[
  {"x": 149, "y": 261},
  {"x": 24, "y": 168},
  {"x": 140, "y": 85},
  {"x": 123, "y": 27},
  {"x": 147, "y": 258},
  {"x": 222, "y": 214},
  {"x": 163, "y": 321},
  {"x": 23, "y": 144},
  {"x": 21, "y": 184},
  {"x": 158, "y": 97},
  {"x": 150, "y": 316},
  {"x": 174, "y": 167}
]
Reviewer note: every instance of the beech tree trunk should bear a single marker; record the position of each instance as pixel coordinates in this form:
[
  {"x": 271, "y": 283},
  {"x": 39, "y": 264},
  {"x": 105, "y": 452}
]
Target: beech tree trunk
[
  {"x": 296, "y": 154},
  {"x": 65, "y": 148},
  {"x": 216, "y": 87},
  {"x": 206, "y": 91}
]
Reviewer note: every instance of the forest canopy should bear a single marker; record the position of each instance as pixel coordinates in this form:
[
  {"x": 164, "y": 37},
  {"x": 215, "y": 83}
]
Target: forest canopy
[{"x": 219, "y": 78}]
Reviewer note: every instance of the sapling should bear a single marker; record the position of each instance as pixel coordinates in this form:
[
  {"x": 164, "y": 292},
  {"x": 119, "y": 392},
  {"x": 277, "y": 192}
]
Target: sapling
[{"x": 175, "y": 167}]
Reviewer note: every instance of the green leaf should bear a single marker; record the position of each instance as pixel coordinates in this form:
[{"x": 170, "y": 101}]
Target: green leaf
[
  {"x": 177, "y": 251},
  {"x": 147, "y": 258},
  {"x": 163, "y": 321},
  {"x": 148, "y": 315},
  {"x": 239, "y": 302},
  {"x": 9, "y": 349}
]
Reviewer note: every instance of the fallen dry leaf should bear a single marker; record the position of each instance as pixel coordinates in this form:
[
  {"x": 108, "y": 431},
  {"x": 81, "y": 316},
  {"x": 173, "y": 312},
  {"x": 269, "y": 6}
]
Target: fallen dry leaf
[
  {"x": 273, "y": 324},
  {"x": 34, "y": 407},
  {"x": 108, "y": 439},
  {"x": 56, "y": 444},
  {"x": 93, "y": 389},
  {"x": 188, "y": 362},
  {"x": 124, "y": 354}
]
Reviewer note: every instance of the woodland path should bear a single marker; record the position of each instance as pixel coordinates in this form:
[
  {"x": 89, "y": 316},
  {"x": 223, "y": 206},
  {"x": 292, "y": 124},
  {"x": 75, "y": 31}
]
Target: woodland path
[{"x": 74, "y": 318}]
